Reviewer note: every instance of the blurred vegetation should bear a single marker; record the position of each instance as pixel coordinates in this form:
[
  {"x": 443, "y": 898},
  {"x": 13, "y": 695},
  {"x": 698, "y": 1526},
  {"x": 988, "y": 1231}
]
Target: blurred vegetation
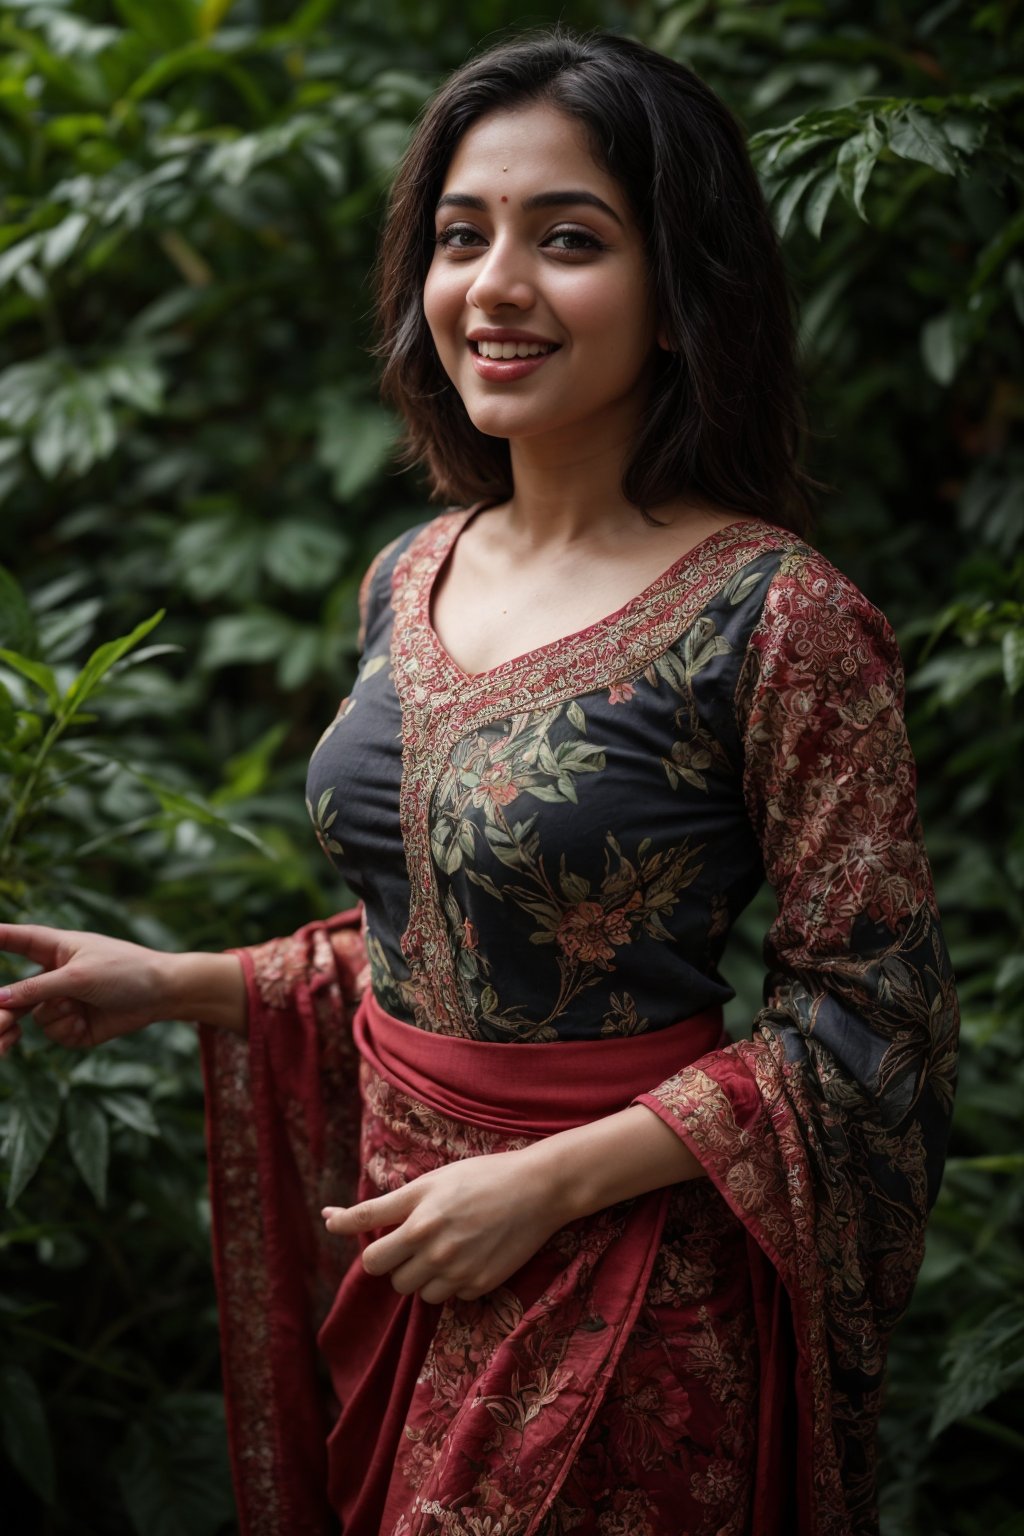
[{"x": 189, "y": 195}]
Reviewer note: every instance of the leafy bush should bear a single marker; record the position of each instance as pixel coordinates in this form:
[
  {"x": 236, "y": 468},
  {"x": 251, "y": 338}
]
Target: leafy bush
[{"x": 188, "y": 423}]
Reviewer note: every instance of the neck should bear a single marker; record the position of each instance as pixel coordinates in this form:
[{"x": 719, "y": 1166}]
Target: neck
[{"x": 567, "y": 490}]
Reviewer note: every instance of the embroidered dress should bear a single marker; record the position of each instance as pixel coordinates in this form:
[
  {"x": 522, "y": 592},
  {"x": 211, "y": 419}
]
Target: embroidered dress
[{"x": 549, "y": 857}]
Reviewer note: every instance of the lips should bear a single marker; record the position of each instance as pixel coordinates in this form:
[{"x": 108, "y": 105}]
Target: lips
[
  {"x": 503, "y": 355},
  {"x": 505, "y": 370}
]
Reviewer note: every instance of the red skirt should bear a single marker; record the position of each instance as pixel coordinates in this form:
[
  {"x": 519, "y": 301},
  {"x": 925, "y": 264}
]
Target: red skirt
[{"x": 610, "y": 1385}]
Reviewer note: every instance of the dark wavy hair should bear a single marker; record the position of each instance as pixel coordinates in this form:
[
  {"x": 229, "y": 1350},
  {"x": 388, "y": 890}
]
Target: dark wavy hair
[{"x": 725, "y": 419}]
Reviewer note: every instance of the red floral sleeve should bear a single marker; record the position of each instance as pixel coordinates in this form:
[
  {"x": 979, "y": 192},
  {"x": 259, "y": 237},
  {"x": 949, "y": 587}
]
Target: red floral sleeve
[{"x": 826, "y": 1130}]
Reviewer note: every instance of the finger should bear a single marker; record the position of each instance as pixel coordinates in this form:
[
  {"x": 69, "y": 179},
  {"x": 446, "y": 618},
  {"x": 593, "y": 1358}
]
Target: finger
[
  {"x": 10, "y": 1034},
  {"x": 419, "y": 1275},
  {"x": 55, "y": 1009},
  {"x": 381, "y": 1257},
  {"x": 383, "y": 1211},
  {"x": 69, "y": 1033},
  {"x": 32, "y": 940},
  {"x": 22, "y": 996}
]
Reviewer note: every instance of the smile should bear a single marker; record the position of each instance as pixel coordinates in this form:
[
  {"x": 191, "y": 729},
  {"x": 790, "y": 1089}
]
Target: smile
[
  {"x": 506, "y": 349},
  {"x": 502, "y": 362}
]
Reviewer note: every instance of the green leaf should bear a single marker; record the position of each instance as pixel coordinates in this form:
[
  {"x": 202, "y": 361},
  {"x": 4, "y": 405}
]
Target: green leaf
[
  {"x": 304, "y": 556},
  {"x": 36, "y": 672},
  {"x": 106, "y": 656},
  {"x": 100, "y": 1070},
  {"x": 62, "y": 239},
  {"x": 980, "y": 1364},
  {"x": 132, "y": 1111},
  {"x": 855, "y": 163},
  {"x": 943, "y": 347},
  {"x": 89, "y": 1142},
  {"x": 162, "y": 26},
  {"x": 76, "y": 428},
  {"x": 246, "y": 638},
  {"x": 135, "y": 378},
  {"x": 211, "y": 14},
  {"x": 25, "y": 1433},
  {"x": 219, "y": 554},
  {"x": 33, "y": 1117},
  {"x": 785, "y": 202},
  {"x": 916, "y": 136},
  {"x": 354, "y": 444},
  {"x": 18, "y": 256},
  {"x": 819, "y": 202},
  {"x": 1013, "y": 659},
  {"x": 24, "y": 390},
  {"x": 17, "y": 626}
]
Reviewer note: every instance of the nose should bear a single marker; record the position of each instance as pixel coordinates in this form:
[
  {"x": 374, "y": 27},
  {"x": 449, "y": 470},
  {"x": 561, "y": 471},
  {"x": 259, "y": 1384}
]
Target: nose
[{"x": 502, "y": 278}]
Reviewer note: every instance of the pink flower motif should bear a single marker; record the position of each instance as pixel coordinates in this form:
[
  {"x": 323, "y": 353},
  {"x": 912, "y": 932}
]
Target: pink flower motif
[
  {"x": 469, "y": 934},
  {"x": 588, "y": 934},
  {"x": 495, "y": 785},
  {"x": 620, "y": 693}
]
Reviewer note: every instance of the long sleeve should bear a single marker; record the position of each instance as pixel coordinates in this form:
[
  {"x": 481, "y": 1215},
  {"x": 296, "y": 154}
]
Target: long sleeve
[{"x": 826, "y": 1131}]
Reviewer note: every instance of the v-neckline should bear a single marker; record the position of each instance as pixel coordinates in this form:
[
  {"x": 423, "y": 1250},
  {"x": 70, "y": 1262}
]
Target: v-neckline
[{"x": 460, "y": 522}]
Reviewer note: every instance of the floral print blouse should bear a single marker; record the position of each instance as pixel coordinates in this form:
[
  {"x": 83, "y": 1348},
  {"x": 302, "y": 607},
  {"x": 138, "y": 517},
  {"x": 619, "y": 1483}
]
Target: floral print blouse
[{"x": 558, "y": 847}]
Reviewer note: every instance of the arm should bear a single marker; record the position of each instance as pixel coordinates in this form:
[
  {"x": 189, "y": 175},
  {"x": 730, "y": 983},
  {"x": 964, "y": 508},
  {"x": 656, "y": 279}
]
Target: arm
[
  {"x": 608, "y": 1160},
  {"x": 92, "y": 988},
  {"x": 463, "y": 1229}
]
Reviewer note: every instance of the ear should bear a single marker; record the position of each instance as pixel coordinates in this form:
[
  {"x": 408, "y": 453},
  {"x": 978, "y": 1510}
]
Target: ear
[{"x": 663, "y": 341}]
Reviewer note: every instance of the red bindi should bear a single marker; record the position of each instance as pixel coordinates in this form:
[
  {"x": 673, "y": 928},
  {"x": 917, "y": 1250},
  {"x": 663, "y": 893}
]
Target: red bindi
[{"x": 504, "y": 198}]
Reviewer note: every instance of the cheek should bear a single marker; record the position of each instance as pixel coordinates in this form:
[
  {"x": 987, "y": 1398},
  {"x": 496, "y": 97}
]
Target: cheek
[
  {"x": 443, "y": 300},
  {"x": 609, "y": 306}
]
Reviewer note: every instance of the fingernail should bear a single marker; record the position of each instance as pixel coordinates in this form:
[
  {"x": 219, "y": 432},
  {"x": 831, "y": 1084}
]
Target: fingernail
[{"x": 5, "y": 994}]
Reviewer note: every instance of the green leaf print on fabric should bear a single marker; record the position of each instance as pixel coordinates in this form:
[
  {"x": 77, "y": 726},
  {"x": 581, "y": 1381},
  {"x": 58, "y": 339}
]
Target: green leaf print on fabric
[
  {"x": 322, "y": 823},
  {"x": 488, "y": 775},
  {"x": 699, "y": 750}
]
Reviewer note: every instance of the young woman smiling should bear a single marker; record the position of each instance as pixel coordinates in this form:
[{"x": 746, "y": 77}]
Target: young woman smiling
[{"x": 510, "y": 1238}]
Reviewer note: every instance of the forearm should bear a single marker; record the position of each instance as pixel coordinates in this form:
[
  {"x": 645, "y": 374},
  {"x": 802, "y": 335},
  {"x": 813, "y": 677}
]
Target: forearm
[
  {"x": 206, "y": 989},
  {"x": 612, "y": 1159}
]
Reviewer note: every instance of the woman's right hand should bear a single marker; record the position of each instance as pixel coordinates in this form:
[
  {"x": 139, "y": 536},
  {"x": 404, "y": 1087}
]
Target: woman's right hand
[{"x": 90, "y": 989}]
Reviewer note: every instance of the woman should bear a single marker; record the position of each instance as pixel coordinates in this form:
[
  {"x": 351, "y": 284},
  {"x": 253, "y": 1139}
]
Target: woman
[{"x": 583, "y": 1264}]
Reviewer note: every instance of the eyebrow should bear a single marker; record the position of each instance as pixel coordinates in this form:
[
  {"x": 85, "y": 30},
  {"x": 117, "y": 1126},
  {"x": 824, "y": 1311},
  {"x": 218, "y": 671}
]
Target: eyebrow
[{"x": 538, "y": 200}]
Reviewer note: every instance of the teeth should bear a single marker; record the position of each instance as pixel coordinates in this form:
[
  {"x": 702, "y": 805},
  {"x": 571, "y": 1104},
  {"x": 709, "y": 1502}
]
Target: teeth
[{"x": 507, "y": 349}]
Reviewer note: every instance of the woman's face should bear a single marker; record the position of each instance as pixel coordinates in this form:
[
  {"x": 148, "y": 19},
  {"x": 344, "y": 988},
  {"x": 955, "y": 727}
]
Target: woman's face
[{"x": 538, "y": 254}]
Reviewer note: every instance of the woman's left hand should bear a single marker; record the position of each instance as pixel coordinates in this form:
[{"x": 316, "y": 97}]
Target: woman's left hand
[{"x": 459, "y": 1230}]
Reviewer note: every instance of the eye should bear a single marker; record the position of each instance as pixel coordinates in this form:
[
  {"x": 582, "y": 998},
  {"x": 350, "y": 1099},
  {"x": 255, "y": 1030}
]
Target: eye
[
  {"x": 457, "y": 237},
  {"x": 568, "y": 238}
]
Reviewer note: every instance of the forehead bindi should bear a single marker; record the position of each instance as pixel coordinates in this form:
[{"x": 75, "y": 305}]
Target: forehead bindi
[{"x": 511, "y": 155}]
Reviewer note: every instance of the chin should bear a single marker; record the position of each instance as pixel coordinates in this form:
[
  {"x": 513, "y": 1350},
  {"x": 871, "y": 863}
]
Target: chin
[{"x": 515, "y": 419}]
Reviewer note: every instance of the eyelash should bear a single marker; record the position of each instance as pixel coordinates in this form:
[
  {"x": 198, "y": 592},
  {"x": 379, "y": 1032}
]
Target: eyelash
[{"x": 446, "y": 239}]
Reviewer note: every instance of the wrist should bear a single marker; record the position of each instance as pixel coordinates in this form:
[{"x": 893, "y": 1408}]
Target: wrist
[
  {"x": 205, "y": 988},
  {"x": 567, "y": 1187},
  {"x": 605, "y": 1161}
]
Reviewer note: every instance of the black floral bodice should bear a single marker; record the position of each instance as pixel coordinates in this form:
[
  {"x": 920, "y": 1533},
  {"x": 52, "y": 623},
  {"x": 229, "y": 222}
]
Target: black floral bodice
[{"x": 558, "y": 847}]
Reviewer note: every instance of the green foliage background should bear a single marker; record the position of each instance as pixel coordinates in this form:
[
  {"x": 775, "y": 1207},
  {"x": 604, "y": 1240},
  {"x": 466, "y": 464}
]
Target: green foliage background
[{"x": 188, "y": 423}]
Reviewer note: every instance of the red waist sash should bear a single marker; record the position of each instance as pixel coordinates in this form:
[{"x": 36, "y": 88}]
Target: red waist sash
[{"x": 530, "y": 1089}]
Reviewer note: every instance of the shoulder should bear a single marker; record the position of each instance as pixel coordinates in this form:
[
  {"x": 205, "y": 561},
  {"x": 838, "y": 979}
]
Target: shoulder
[
  {"x": 810, "y": 599},
  {"x": 817, "y": 634}
]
